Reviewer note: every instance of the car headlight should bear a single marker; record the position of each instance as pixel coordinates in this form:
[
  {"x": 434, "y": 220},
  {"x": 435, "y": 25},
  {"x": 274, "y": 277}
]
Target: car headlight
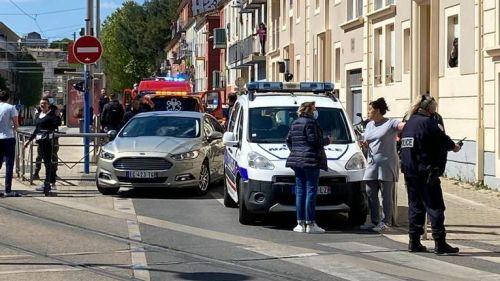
[
  {"x": 258, "y": 161},
  {"x": 357, "y": 162},
  {"x": 186, "y": 155},
  {"x": 106, "y": 155}
]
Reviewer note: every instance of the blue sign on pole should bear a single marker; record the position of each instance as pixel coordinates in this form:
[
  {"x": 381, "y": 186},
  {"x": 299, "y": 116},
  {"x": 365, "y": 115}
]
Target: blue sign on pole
[{"x": 86, "y": 120}]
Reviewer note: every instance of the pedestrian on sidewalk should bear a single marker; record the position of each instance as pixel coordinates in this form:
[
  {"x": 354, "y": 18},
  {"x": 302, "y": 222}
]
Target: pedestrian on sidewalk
[
  {"x": 423, "y": 162},
  {"x": 382, "y": 171},
  {"x": 46, "y": 125},
  {"x": 307, "y": 157},
  {"x": 112, "y": 114},
  {"x": 55, "y": 157},
  {"x": 8, "y": 126}
]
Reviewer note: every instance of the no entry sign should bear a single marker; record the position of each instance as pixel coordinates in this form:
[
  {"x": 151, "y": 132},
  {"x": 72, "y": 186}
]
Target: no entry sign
[{"x": 87, "y": 49}]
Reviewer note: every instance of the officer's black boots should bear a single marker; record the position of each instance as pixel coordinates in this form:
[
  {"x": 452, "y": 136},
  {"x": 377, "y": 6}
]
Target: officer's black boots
[
  {"x": 415, "y": 246},
  {"x": 443, "y": 248}
]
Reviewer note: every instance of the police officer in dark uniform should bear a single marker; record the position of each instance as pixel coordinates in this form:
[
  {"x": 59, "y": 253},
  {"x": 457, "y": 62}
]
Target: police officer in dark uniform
[{"x": 423, "y": 160}]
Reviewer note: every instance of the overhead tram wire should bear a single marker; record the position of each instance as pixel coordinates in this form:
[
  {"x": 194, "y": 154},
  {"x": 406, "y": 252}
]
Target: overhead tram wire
[
  {"x": 43, "y": 13},
  {"x": 28, "y": 15}
]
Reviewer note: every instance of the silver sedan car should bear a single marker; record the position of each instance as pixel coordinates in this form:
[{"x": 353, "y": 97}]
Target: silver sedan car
[{"x": 161, "y": 150}]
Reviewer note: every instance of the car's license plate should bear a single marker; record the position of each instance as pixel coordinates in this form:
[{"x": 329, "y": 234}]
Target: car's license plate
[
  {"x": 142, "y": 174},
  {"x": 322, "y": 190}
]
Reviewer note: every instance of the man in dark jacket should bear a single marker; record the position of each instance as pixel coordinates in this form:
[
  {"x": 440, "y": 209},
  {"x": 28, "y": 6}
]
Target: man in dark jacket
[
  {"x": 134, "y": 110},
  {"x": 39, "y": 158},
  {"x": 112, "y": 115},
  {"x": 307, "y": 157},
  {"x": 423, "y": 162},
  {"x": 103, "y": 100},
  {"x": 46, "y": 125}
]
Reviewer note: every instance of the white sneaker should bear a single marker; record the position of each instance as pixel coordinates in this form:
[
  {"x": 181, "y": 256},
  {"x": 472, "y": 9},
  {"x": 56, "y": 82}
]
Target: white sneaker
[
  {"x": 367, "y": 226},
  {"x": 301, "y": 227},
  {"x": 40, "y": 188},
  {"x": 53, "y": 186},
  {"x": 313, "y": 228},
  {"x": 382, "y": 227}
]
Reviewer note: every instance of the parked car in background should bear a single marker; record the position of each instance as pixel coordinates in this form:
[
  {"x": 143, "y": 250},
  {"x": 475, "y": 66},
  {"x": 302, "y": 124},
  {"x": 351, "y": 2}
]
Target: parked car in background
[{"x": 162, "y": 150}]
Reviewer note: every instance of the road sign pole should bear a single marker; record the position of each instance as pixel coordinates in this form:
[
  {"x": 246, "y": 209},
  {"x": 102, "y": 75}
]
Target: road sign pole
[
  {"x": 88, "y": 86},
  {"x": 86, "y": 118}
]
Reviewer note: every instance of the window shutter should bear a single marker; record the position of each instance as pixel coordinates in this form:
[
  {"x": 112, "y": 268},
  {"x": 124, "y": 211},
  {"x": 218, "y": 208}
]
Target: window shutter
[{"x": 220, "y": 41}]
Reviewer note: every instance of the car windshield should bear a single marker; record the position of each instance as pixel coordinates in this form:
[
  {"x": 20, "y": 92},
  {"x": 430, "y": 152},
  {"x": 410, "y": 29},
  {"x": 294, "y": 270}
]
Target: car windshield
[
  {"x": 162, "y": 126},
  {"x": 271, "y": 125}
]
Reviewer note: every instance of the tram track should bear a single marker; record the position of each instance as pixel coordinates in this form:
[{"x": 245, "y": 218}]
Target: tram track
[{"x": 227, "y": 264}]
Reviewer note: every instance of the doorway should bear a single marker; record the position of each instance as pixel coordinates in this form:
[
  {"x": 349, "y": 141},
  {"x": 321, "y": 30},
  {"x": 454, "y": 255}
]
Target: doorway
[{"x": 355, "y": 94}]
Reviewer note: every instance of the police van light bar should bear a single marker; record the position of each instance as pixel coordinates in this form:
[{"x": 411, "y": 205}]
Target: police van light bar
[
  {"x": 290, "y": 87},
  {"x": 265, "y": 86}
]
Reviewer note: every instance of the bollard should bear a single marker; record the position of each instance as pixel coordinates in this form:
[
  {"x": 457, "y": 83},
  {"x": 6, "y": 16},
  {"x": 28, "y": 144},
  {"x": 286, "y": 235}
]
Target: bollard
[{"x": 31, "y": 163}]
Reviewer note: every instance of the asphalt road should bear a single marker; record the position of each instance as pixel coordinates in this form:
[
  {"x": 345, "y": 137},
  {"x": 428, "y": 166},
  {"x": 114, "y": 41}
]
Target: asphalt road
[{"x": 174, "y": 235}]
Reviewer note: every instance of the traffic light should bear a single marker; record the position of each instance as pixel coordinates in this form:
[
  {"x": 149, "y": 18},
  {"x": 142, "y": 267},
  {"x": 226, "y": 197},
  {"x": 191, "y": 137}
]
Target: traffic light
[{"x": 79, "y": 86}]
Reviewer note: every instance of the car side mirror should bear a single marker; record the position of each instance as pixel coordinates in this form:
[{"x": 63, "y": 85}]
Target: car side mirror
[
  {"x": 111, "y": 135},
  {"x": 214, "y": 136},
  {"x": 229, "y": 139}
]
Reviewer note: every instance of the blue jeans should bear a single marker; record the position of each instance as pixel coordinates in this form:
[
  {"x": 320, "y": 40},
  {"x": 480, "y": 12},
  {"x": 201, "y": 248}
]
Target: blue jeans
[
  {"x": 8, "y": 150},
  {"x": 306, "y": 188}
]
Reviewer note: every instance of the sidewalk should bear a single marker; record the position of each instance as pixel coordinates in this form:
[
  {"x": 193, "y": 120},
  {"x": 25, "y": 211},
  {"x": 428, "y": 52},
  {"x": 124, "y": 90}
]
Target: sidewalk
[{"x": 471, "y": 214}]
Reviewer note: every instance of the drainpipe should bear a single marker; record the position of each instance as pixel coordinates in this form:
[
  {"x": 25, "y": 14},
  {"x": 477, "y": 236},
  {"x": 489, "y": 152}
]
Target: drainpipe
[
  {"x": 369, "y": 54},
  {"x": 480, "y": 98}
]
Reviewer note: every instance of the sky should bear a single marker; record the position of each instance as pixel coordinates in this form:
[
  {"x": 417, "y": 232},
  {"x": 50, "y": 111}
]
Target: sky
[{"x": 54, "y": 19}]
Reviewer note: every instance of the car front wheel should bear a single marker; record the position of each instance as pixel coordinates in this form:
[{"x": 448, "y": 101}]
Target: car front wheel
[{"x": 204, "y": 180}]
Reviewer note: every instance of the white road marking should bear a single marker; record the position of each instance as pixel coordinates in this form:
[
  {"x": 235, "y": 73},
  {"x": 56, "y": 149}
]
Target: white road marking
[
  {"x": 342, "y": 267},
  {"x": 464, "y": 250},
  {"x": 217, "y": 196},
  {"x": 139, "y": 262},
  {"x": 15, "y": 256},
  {"x": 345, "y": 266},
  {"x": 415, "y": 261},
  {"x": 62, "y": 269}
]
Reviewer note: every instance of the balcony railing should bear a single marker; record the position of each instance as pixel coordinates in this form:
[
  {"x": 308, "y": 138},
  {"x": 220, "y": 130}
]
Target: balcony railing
[
  {"x": 200, "y": 50},
  {"x": 244, "y": 49}
]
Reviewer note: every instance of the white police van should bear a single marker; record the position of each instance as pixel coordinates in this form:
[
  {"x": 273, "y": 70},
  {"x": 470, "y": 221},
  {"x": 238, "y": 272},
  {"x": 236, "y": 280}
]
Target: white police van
[{"x": 256, "y": 178}]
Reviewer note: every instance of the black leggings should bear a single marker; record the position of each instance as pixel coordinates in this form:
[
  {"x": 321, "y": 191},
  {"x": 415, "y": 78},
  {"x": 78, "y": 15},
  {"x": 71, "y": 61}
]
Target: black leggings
[{"x": 46, "y": 151}]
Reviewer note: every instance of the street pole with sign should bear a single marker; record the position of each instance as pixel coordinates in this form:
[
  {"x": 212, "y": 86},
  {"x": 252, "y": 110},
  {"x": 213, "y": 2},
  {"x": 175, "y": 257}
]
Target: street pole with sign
[{"x": 87, "y": 50}]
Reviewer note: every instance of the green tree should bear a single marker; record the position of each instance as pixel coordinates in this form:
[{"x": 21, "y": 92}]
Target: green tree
[
  {"x": 133, "y": 38},
  {"x": 60, "y": 44},
  {"x": 29, "y": 80}
]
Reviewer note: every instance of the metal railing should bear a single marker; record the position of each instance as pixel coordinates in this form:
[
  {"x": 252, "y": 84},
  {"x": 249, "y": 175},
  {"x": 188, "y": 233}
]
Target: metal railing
[
  {"x": 24, "y": 163},
  {"x": 243, "y": 49}
]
